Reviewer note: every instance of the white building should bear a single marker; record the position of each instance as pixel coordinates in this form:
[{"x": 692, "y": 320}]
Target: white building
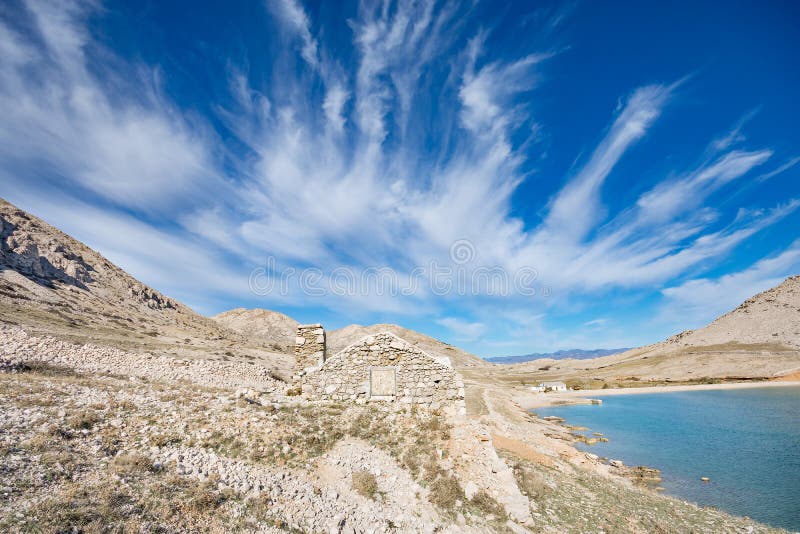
[{"x": 552, "y": 386}]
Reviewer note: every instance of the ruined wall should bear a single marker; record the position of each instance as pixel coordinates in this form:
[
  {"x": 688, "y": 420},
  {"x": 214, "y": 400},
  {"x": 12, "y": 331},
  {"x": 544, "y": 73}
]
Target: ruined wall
[
  {"x": 383, "y": 367},
  {"x": 309, "y": 348}
]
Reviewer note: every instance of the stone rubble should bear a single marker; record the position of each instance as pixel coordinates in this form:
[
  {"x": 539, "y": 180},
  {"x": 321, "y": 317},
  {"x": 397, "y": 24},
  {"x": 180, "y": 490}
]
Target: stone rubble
[{"x": 18, "y": 349}]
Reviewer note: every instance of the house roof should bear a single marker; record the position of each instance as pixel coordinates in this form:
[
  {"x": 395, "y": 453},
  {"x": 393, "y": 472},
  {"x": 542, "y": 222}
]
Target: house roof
[{"x": 441, "y": 360}]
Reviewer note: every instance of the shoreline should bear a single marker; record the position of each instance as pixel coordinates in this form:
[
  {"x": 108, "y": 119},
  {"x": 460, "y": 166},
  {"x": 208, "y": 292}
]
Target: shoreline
[{"x": 529, "y": 400}]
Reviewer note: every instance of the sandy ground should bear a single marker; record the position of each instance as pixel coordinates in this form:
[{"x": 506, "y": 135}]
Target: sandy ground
[{"x": 530, "y": 400}]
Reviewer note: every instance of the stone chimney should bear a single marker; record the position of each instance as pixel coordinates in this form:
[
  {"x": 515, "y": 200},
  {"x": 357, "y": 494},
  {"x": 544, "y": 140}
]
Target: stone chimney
[{"x": 309, "y": 348}]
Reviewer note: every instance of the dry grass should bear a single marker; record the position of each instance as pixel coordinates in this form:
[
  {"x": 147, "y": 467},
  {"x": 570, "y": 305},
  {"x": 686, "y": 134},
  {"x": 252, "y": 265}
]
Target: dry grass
[
  {"x": 488, "y": 507},
  {"x": 582, "y": 501},
  {"x": 150, "y": 502},
  {"x": 445, "y": 492},
  {"x": 530, "y": 481},
  {"x": 84, "y": 420},
  {"x": 364, "y": 483},
  {"x": 132, "y": 463},
  {"x": 46, "y": 369},
  {"x": 164, "y": 439}
]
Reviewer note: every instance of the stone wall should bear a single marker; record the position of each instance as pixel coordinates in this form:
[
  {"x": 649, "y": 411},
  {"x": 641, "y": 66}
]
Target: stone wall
[
  {"x": 383, "y": 367},
  {"x": 309, "y": 348}
]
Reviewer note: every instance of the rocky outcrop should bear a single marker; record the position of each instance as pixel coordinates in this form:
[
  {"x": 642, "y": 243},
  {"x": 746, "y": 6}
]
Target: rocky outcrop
[
  {"x": 43, "y": 261},
  {"x": 151, "y": 298}
]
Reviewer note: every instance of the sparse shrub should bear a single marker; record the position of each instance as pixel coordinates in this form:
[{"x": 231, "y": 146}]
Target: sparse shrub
[
  {"x": 37, "y": 443},
  {"x": 432, "y": 469},
  {"x": 445, "y": 491},
  {"x": 133, "y": 463},
  {"x": 126, "y": 405},
  {"x": 110, "y": 440},
  {"x": 204, "y": 497},
  {"x": 487, "y": 505},
  {"x": 45, "y": 369},
  {"x": 84, "y": 420},
  {"x": 273, "y": 374},
  {"x": 294, "y": 392},
  {"x": 59, "y": 432},
  {"x": 169, "y": 397},
  {"x": 161, "y": 440},
  {"x": 530, "y": 482},
  {"x": 411, "y": 462},
  {"x": 365, "y": 484}
]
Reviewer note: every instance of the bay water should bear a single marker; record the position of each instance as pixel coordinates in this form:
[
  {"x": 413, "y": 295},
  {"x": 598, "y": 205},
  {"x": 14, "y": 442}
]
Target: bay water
[{"x": 746, "y": 441}]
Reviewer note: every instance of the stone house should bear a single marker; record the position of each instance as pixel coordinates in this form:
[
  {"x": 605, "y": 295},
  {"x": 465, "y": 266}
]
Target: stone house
[
  {"x": 553, "y": 386},
  {"x": 378, "y": 368}
]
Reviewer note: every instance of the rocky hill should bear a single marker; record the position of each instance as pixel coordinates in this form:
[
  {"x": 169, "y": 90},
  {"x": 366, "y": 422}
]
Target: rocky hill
[
  {"x": 272, "y": 327},
  {"x": 760, "y": 339},
  {"x": 339, "y": 339},
  {"x": 52, "y": 283},
  {"x": 770, "y": 317}
]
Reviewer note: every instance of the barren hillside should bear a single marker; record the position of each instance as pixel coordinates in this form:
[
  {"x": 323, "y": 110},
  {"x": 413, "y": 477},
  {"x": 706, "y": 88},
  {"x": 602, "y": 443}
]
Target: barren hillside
[
  {"x": 760, "y": 339},
  {"x": 271, "y": 327},
  {"x": 771, "y": 317},
  {"x": 51, "y": 283},
  {"x": 339, "y": 339}
]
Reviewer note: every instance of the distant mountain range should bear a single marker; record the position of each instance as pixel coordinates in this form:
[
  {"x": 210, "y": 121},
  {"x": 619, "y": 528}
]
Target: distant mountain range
[{"x": 578, "y": 354}]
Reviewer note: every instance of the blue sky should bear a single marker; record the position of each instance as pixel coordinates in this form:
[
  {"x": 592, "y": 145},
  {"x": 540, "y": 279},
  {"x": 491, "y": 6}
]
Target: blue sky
[{"x": 585, "y": 174}]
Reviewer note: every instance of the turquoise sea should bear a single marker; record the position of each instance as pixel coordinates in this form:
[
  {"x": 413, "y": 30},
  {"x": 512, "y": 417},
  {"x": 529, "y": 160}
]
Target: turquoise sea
[{"x": 747, "y": 441}]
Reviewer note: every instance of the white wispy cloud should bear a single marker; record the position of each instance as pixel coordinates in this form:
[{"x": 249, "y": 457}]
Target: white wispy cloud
[
  {"x": 735, "y": 135},
  {"x": 59, "y": 122},
  {"x": 335, "y": 99},
  {"x": 469, "y": 331},
  {"x": 340, "y": 169},
  {"x": 486, "y": 93},
  {"x": 669, "y": 199},
  {"x": 577, "y": 208},
  {"x": 781, "y": 169},
  {"x": 296, "y": 21},
  {"x": 698, "y": 301}
]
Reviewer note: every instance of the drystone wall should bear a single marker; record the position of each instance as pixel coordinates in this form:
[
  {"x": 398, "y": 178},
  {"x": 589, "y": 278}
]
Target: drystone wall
[
  {"x": 309, "y": 348},
  {"x": 383, "y": 367}
]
